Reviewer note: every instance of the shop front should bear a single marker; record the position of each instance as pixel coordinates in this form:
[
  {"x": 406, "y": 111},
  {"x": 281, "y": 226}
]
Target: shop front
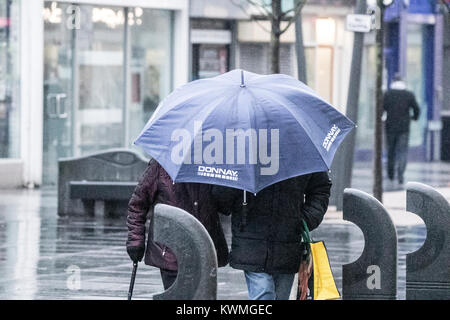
[
  {"x": 211, "y": 47},
  {"x": 327, "y": 46},
  {"x": 105, "y": 68},
  {"x": 413, "y": 49}
]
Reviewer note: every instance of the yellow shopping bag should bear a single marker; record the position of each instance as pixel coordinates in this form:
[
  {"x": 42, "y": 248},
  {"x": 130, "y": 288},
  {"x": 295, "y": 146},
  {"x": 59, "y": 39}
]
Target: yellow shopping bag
[{"x": 316, "y": 281}]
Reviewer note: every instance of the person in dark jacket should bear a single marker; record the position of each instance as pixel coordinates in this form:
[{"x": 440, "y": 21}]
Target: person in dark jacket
[
  {"x": 400, "y": 106},
  {"x": 266, "y": 239},
  {"x": 156, "y": 186}
]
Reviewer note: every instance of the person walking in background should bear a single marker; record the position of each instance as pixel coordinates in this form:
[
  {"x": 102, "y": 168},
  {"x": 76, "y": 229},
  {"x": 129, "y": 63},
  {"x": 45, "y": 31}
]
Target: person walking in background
[
  {"x": 266, "y": 238},
  {"x": 156, "y": 186},
  {"x": 400, "y": 106}
]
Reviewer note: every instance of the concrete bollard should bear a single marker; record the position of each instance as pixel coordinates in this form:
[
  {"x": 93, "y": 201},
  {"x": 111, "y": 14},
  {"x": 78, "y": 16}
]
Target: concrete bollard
[
  {"x": 374, "y": 275},
  {"x": 428, "y": 269},
  {"x": 195, "y": 252}
]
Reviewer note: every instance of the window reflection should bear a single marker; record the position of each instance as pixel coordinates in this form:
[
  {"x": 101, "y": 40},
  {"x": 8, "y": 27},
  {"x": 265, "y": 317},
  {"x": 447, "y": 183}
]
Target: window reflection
[
  {"x": 150, "y": 64},
  {"x": 310, "y": 57},
  {"x": 209, "y": 60},
  {"x": 58, "y": 95},
  {"x": 415, "y": 79},
  {"x": 364, "y": 134},
  {"x": 103, "y": 80},
  {"x": 324, "y": 69},
  {"x": 100, "y": 57},
  {"x": 9, "y": 79}
]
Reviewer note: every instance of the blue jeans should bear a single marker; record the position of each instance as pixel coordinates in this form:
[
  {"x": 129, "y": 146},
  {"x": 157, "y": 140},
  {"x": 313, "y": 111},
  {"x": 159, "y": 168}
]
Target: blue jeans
[
  {"x": 264, "y": 286},
  {"x": 397, "y": 154}
]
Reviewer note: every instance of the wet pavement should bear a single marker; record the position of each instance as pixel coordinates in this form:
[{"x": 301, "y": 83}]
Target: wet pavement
[
  {"x": 41, "y": 254},
  {"x": 436, "y": 174}
]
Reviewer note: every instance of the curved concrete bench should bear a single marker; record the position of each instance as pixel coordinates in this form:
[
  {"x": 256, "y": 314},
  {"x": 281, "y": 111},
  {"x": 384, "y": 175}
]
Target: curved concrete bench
[
  {"x": 373, "y": 276},
  {"x": 428, "y": 268},
  {"x": 195, "y": 252}
]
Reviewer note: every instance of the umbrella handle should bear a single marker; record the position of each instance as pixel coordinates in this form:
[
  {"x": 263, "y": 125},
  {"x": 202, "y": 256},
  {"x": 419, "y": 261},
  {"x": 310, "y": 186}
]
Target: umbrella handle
[{"x": 133, "y": 277}]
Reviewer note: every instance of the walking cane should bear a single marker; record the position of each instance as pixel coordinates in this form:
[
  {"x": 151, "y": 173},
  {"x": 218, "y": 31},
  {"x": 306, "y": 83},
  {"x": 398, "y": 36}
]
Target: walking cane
[{"x": 133, "y": 277}]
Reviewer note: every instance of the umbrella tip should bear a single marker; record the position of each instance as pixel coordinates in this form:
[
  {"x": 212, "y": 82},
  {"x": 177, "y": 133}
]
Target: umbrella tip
[{"x": 242, "y": 79}]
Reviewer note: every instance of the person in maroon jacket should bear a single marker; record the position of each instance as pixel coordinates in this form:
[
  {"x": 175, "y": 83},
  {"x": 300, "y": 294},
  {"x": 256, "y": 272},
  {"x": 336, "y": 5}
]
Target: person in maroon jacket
[{"x": 156, "y": 186}]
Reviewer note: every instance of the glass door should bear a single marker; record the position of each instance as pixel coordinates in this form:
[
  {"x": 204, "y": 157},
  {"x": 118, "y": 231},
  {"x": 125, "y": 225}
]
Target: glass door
[
  {"x": 209, "y": 60},
  {"x": 58, "y": 83}
]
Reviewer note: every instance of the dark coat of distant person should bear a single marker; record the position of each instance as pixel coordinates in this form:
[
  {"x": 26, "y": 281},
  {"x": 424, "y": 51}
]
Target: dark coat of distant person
[{"x": 399, "y": 103}]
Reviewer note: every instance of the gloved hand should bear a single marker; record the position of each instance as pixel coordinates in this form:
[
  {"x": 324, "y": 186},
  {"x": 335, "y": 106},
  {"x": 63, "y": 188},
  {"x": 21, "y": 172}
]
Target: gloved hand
[{"x": 136, "y": 253}]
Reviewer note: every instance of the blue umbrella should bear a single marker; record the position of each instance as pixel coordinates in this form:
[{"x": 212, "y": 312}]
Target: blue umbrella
[{"x": 243, "y": 130}]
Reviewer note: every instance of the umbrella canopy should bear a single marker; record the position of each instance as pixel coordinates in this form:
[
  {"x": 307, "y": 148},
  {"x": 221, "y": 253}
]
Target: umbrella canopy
[{"x": 243, "y": 130}]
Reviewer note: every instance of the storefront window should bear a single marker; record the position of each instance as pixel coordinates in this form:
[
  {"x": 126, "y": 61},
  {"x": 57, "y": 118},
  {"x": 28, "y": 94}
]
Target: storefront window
[
  {"x": 150, "y": 65},
  {"x": 324, "y": 70},
  {"x": 310, "y": 57},
  {"x": 100, "y": 60},
  {"x": 103, "y": 78},
  {"x": 209, "y": 60},
  {"x": 9, "y": 79},
  {"x": 415, "y": 80},
  {"x": 366, "y": 113},
  {"x": 58, "y": 94}
]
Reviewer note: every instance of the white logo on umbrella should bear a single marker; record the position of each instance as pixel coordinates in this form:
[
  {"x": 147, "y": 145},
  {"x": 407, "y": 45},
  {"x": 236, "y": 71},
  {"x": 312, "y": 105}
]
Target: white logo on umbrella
[
  {"x": 212, "y": 172},
  {"x": 331, "y": 137},
  {"x": 241, "y": 147}
]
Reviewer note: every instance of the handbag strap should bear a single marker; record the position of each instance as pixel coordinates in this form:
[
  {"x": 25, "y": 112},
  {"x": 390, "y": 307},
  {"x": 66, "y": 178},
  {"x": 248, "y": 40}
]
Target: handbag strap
[
  {"x": 306, "y": 240},
  {"x": 306, "y": 236}
]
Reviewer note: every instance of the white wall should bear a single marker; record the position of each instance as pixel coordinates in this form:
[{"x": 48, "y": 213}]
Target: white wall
[{"x": 31, "y": 97}]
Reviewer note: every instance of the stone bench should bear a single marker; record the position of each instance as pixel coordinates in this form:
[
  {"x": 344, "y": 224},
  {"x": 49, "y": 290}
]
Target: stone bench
[
  {"x": 101, "y": 183},
  {"x": 373, "y": 276},
  {"x": 428, "y": 268}
]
